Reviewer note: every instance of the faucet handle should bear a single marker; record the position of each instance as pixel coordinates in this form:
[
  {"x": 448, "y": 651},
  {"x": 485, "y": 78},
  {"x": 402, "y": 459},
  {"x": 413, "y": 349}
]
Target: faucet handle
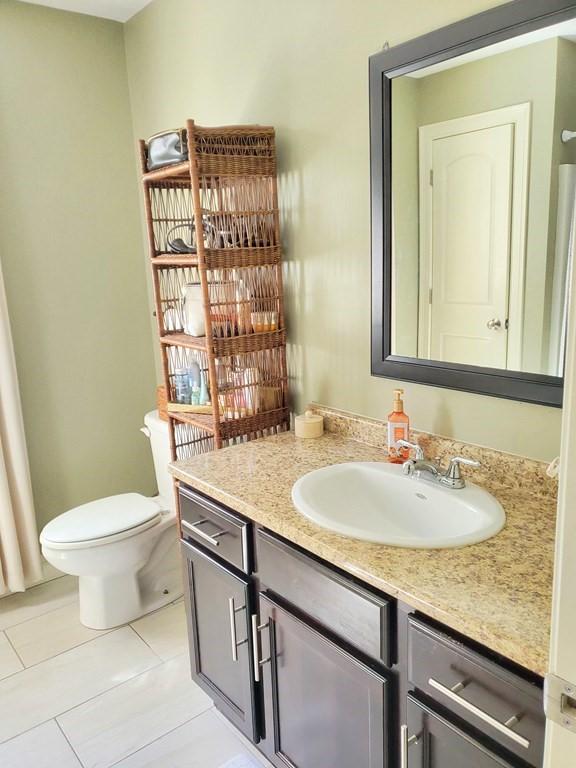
[
  {"x": 453, "y": 472},
  {"x": 419, "y": 453}
]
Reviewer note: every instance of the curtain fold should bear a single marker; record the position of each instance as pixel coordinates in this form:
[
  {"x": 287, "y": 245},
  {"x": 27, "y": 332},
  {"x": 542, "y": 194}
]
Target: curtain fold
[{"x": 20, "y": 560}]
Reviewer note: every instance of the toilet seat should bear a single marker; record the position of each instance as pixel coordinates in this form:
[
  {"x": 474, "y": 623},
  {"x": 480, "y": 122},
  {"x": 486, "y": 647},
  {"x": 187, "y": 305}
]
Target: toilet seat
[{"x": 102, "y": 521}]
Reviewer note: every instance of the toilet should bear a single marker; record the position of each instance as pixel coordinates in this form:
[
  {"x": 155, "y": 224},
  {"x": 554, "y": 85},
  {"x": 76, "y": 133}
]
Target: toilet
[{"x": 124, "y": 548}]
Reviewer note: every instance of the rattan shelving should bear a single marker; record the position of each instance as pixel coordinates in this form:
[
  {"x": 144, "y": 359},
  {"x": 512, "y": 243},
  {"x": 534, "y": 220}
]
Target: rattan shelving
[{"x": 229, "y": 185}]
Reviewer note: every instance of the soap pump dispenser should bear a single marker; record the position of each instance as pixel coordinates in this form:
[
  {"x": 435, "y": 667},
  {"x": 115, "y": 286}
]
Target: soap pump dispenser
[{"x": 398, "y": 429}]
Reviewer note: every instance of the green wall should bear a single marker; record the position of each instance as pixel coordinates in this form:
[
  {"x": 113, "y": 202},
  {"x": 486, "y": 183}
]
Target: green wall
[
  {"x": 303, "y": 67},
  {"x": 72, "y": 256}
]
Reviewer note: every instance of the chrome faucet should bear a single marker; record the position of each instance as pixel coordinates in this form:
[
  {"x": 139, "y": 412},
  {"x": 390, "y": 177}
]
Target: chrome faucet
[{"x": 450, "y": 478}]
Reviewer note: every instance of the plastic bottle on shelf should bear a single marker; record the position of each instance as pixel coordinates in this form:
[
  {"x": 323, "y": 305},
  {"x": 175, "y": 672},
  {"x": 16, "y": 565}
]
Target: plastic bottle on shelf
[
  {"x": 182, "y": 385},
  {"x": 195, "y": 394},
  {"x": 243, "y": 308},
  {"x": 204, "y": 397},
  {"x": 195, "y": 376}
]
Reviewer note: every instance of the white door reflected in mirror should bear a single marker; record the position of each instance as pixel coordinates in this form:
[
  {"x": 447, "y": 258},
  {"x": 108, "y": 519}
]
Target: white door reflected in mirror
[
  {"x": 483, "y": 204},
  {"x": 468, "y": 201}
]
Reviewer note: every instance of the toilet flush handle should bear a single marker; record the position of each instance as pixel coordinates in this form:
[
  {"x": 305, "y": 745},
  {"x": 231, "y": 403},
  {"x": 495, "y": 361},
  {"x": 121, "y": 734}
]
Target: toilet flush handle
[{"x": 145, "y": 431}]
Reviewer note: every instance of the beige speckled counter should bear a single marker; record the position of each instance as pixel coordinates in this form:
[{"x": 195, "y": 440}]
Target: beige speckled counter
[{"x": 497, "y": 592}]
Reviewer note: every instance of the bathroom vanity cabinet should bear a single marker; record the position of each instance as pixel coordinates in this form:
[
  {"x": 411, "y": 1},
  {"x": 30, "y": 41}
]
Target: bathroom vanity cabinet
[{"x": 323, "y": 671}]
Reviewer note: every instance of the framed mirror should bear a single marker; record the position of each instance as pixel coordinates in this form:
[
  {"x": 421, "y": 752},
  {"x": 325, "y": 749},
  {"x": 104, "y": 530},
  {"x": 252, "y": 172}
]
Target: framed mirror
[{"x": 473, "y": 173}]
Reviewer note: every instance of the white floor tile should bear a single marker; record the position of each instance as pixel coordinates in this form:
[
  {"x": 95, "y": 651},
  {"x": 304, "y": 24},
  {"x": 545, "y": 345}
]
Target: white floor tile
[
  {"x": 9, "y": 661},
  {"x": 46, "y": 597},
  {"x": 65, "y": 681},
  {"x": 42, "y": 747},
  {"x": 52, "y": 633},
  {"x": 49, "y": 572},
  {"x": 204, "y": 742},
  {"x": 251, "y": 749},
  {"x": 117, "y": 723},
  {"x": 243, "y": 761},
  {"x": 165, "y": 631}
]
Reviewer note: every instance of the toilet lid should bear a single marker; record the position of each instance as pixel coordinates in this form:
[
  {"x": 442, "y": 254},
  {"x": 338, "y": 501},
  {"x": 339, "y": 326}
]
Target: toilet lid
[{"x": 101, "y": 518}]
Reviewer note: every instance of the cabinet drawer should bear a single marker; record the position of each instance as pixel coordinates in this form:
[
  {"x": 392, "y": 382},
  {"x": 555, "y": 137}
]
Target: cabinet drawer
[
  {"x": 351, "y": 612},
  {"x": 499, "y": 703},
  {"x": 434, "y": 742},
  {"x": 216, "y": 528}
]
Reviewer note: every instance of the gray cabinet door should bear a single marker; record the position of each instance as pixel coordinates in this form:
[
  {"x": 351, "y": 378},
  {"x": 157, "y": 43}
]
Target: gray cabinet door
[
  {"x": 218, "y": 607},
  {"x": 436, "y": 743},
  {"x": 323, "y": 707}
]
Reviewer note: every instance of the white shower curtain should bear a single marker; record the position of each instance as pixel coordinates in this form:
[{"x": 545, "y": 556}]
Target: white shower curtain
[{"x": 20, "y": 561}]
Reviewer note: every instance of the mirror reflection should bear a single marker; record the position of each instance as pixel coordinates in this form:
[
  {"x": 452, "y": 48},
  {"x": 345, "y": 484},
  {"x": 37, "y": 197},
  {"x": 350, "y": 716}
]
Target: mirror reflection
[{"x": 483, "y": 200}]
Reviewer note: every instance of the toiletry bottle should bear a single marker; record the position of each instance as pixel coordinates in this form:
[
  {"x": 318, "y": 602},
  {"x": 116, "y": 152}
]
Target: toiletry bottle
[
  {"x": 204, "y": 397},
  {"x": 398, "y": 429},
  {"x": 182, "y": 385},
  {"x": 243, "y": 313},
  {"x": 194, "y": 374}
]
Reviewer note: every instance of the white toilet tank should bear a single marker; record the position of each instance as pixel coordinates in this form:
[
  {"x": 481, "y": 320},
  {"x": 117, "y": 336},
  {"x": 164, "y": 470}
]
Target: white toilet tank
[{"x": 157, "y": 431}]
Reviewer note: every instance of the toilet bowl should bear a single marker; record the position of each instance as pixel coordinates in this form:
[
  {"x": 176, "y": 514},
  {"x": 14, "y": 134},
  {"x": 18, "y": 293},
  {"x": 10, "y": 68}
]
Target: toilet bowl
[{"x": 124, "y": 548}]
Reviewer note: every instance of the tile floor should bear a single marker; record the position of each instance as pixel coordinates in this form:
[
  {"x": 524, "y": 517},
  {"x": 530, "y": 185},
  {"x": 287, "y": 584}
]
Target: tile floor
[{"x": 72, "y": 697}]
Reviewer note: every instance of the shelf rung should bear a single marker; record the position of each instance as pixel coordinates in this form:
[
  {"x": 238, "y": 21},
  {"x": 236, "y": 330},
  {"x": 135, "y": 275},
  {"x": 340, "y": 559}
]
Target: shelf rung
[
  {"x": 184, "y": 340},
  {"x": 224, "y": 258},
  {"x": 201, "y": 420},
  {"x": 257, "y": 422},
  {"x": 169, "y": 260},
  {"x": 231, "y": 428},
  {"x": 250, "y": 342},
  {"x": 228, "y": 345},
  {"x": 178, "y": 171}
]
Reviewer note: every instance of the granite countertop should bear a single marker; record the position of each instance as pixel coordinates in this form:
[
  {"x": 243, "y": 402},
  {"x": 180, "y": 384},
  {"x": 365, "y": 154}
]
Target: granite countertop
[{"x": 498, "y": 592}]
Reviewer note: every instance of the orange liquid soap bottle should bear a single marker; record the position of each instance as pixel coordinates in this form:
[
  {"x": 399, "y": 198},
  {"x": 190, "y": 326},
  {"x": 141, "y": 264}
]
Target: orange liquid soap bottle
[{"x": 398, "y": 429}]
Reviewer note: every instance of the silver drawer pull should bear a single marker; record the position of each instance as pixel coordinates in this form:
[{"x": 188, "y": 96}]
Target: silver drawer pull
[
  {"x": 405, "y": 743},
  {"x": 452, "y": 694},
  {"x": 256, "y": 655},
  {"x": 195, "y": 529},
  {"x": 232, "y": 611}
]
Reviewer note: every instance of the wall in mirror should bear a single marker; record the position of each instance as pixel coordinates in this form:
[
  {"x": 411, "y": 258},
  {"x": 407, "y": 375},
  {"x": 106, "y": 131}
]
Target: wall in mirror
[{"x": 483, "y": 192}]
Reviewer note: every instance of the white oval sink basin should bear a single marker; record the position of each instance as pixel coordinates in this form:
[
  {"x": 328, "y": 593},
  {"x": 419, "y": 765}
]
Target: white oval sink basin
[{"x": 376, "y": 502}]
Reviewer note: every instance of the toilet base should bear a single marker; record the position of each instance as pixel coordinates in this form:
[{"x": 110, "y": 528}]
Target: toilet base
[
  {"x": 123, "y": 597},
  {"x": 118, "y": 601}
]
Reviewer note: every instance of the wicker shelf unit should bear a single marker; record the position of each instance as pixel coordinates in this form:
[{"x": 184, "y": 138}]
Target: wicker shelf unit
[{"x": 229, "y": 185}]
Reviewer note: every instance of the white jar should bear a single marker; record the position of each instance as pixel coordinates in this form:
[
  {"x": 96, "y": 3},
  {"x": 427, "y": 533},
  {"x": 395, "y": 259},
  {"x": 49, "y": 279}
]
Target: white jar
[{"x": 193, "y": 309}]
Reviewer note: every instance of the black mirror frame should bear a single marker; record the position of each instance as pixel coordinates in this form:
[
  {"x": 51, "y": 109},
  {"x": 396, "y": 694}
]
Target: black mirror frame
[{"x": 493, "y": 26}]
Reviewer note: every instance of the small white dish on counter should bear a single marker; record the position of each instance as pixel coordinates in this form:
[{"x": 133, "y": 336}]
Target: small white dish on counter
[{"x": 377, "y": 502}]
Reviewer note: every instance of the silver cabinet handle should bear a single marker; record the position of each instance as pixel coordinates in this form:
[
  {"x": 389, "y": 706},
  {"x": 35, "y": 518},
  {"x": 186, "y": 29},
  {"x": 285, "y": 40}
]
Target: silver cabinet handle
[
  {"x": 505, "y": 728},
  {"x": 195, "y": 529},
  {"x": 256, "y": 655},
  {"x": 494, "y": 324},
  {"x": 405, "y": 743},
  {"x": 232, "y": 611}
]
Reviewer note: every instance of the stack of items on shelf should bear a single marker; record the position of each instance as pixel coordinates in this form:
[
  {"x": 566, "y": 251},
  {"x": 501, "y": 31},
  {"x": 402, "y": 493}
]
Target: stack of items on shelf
[{"x": 213, "y": 230}]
